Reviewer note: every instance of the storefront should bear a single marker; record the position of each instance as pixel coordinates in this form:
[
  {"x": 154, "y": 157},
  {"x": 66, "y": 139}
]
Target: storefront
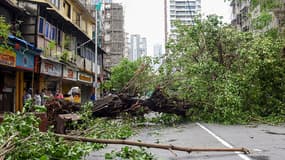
[
  {"x": 51, "y": 75},
  {"x": 25, "y": 76},
  {"x": 7, "y": 80},
  {"x": 16, "y": 68},
  {"x": 85, "y": 81},
  {"x": 25, "y": 66}
]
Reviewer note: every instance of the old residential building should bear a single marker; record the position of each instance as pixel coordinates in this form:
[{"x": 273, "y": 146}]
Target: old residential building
[
  {"x": 63, "y": 31},
  {"x": 257, "y": 17}
]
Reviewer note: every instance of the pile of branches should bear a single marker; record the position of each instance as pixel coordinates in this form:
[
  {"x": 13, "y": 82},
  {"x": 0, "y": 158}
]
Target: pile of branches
[
  {"x": 161, "y": 102},
  {"x": 59, "y": 106},
  {"x": 127, "y": 101},
  {"x": 114, "y": 105}
]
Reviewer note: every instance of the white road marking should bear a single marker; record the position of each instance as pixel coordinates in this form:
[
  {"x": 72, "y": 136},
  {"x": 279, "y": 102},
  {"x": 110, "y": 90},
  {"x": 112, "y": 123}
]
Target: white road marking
[
  {"x": 241, "y": 155},
  {"x": 257, "y": 150}
]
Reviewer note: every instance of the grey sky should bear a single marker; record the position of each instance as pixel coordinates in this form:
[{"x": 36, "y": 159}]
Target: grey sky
[{"x": 146, "y": 17}]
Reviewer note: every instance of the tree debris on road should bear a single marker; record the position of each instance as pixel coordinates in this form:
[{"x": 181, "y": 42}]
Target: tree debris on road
[
  {"x": 113, "y": 105},
  {"x": 169, "y": 147}
]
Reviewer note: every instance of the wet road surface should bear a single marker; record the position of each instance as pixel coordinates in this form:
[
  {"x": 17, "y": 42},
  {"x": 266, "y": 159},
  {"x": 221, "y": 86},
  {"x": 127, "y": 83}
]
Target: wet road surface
[{"x": 264, "y": 142}]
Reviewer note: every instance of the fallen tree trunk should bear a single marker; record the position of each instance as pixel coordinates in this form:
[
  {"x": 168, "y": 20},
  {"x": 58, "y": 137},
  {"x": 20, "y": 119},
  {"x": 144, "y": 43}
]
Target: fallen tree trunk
[
  {"x": 114, "y": 105},
  {"x": 153, "y": 145},
  {"x": 160, "y": 102}
]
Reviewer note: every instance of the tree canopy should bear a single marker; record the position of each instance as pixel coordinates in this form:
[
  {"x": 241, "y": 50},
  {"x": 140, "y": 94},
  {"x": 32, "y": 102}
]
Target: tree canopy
[{"x": 229, "y": 75}]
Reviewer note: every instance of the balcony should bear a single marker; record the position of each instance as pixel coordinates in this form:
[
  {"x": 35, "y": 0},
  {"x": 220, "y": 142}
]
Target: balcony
[
  {"x": 89, "y": 6},
  {"x": 245, "y": 4}
]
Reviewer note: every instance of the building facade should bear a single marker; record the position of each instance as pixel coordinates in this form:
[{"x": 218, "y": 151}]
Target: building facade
[
  {"x": 114, "y": 35},
  {"x": 127, "y": 45},
  {"x": 138, "y": 47},
  {"x": 62, "y": 30},
  {"x": 157, "y": 50},
  {"x": 248, "y": 15},
  {"x": 182, "y": 10}
]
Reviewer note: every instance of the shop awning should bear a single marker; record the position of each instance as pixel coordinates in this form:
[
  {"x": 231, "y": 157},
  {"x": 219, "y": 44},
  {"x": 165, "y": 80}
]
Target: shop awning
[
  {"x": 25, "y": 43},
  {"x": 51, "y": 60}
]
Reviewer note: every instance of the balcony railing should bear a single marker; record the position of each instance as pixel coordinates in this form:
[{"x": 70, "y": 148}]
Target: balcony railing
[{"x": 89, "y": 6}]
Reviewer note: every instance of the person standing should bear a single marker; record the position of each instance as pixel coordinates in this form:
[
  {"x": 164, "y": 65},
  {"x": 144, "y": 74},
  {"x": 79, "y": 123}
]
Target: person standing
[
  {"x": 27, "y": 95},
  {"x": 58, "y": 94},
  {"x": 93, "y": 97},
  {"x": 37, "y": 98},
  {"x": 43, "y": 96},
  {"x": 49, "y": 93}
]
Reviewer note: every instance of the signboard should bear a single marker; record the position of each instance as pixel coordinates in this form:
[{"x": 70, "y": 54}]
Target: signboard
[
  {"x": 88, "y": 65},
  {"x": 52, "y": 69},
  {"x": 25, "y": 61},
  {"x": 80, "y": 62},
  {"x": 83, "y": 77},
  {"x": 7, "y": 57},
  {"x": 96, "y": 69},
  {"x": 69, "y": 73}
]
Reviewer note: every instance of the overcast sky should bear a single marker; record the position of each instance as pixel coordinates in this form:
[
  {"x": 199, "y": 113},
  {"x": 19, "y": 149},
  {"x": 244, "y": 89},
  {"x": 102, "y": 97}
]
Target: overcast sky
[{"x": 146, "y": 17}]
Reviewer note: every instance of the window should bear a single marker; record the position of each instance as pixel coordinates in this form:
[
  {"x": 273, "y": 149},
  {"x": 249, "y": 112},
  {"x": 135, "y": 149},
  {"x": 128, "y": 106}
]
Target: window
[
  {"x": 82, "y": 52},
  {"x": 47, "y": 30},
  {"x": 108, "y": 15},
  {"x": 53, "y": 33},
  {"x": 77, "y": 20},
  {"x": 41, "y": 25},
  {"x": 108, "y": 49},
  {"x": 59, "y": 37},
  {"x": 107, "y": 6},
  {"x": 56, "y": 3},
  {"x": 107, "y": 37},
  {"x": 50, "y": 32},
  {"x": 67, "y": 9}
]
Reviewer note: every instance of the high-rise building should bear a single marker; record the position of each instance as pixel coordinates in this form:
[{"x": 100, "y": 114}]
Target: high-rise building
[
  {"x": 183, "y": 10},
  {"x": 114, "y": 35},
  {"x": 138, "y": 47},
  {"x": 157, "y": 50},
  {"x": 143, "y": 47},
  {"x": 127, "y": 44}
]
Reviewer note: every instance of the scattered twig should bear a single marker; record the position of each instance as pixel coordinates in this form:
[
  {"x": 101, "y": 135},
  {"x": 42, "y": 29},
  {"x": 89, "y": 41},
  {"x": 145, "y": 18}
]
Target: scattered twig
[{"x": 262, "y": 121}]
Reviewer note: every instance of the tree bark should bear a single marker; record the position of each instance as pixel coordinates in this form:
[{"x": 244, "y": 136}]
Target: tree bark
[{"x": 152, "y": 145}]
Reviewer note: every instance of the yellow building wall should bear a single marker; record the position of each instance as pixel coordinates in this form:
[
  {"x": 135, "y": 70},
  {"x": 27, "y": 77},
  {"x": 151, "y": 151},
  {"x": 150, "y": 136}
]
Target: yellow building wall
[
  {"x": 75, "y": 8},
  {"x": 85, "y": 21}
]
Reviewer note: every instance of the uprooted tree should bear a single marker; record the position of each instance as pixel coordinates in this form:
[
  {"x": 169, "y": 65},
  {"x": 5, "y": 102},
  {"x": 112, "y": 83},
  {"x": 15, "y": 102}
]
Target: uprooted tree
[{"x": 214, "y": 73}]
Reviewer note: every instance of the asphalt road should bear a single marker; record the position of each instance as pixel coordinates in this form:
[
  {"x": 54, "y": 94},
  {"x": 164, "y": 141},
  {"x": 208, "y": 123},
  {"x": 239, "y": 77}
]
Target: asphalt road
[{"x": 264, "y": 142}]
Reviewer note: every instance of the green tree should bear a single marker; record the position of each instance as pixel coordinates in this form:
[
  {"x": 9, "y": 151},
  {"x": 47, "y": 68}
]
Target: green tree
[
  {"x": 4, "y": 30},
  {"x": 228, "y": 75},
  {"x": 139, "y": 73}
]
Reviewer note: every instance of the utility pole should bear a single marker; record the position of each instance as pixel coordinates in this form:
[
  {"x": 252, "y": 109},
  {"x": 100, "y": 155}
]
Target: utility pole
[
  {"x": 96, "y": 54},
  {"x": 165, "y": 26}
]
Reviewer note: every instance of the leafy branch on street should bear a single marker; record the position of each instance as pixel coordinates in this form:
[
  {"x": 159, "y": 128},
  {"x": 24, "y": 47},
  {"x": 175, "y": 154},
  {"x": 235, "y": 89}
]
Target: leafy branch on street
[
  {"x": 211, "y": 72},
  {"x": 128, "y": 153},
  {"x": 23, "y": 140}
]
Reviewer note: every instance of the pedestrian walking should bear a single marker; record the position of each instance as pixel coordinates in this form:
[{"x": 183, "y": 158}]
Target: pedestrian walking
[{"x": 37, "y": 98}]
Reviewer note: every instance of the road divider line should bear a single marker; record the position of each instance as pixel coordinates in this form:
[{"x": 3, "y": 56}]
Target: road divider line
[{"x": 241, "y": 155}]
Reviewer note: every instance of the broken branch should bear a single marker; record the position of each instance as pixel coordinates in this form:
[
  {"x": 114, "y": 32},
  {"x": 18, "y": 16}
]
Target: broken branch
[{"x": 152, "y": 145}]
